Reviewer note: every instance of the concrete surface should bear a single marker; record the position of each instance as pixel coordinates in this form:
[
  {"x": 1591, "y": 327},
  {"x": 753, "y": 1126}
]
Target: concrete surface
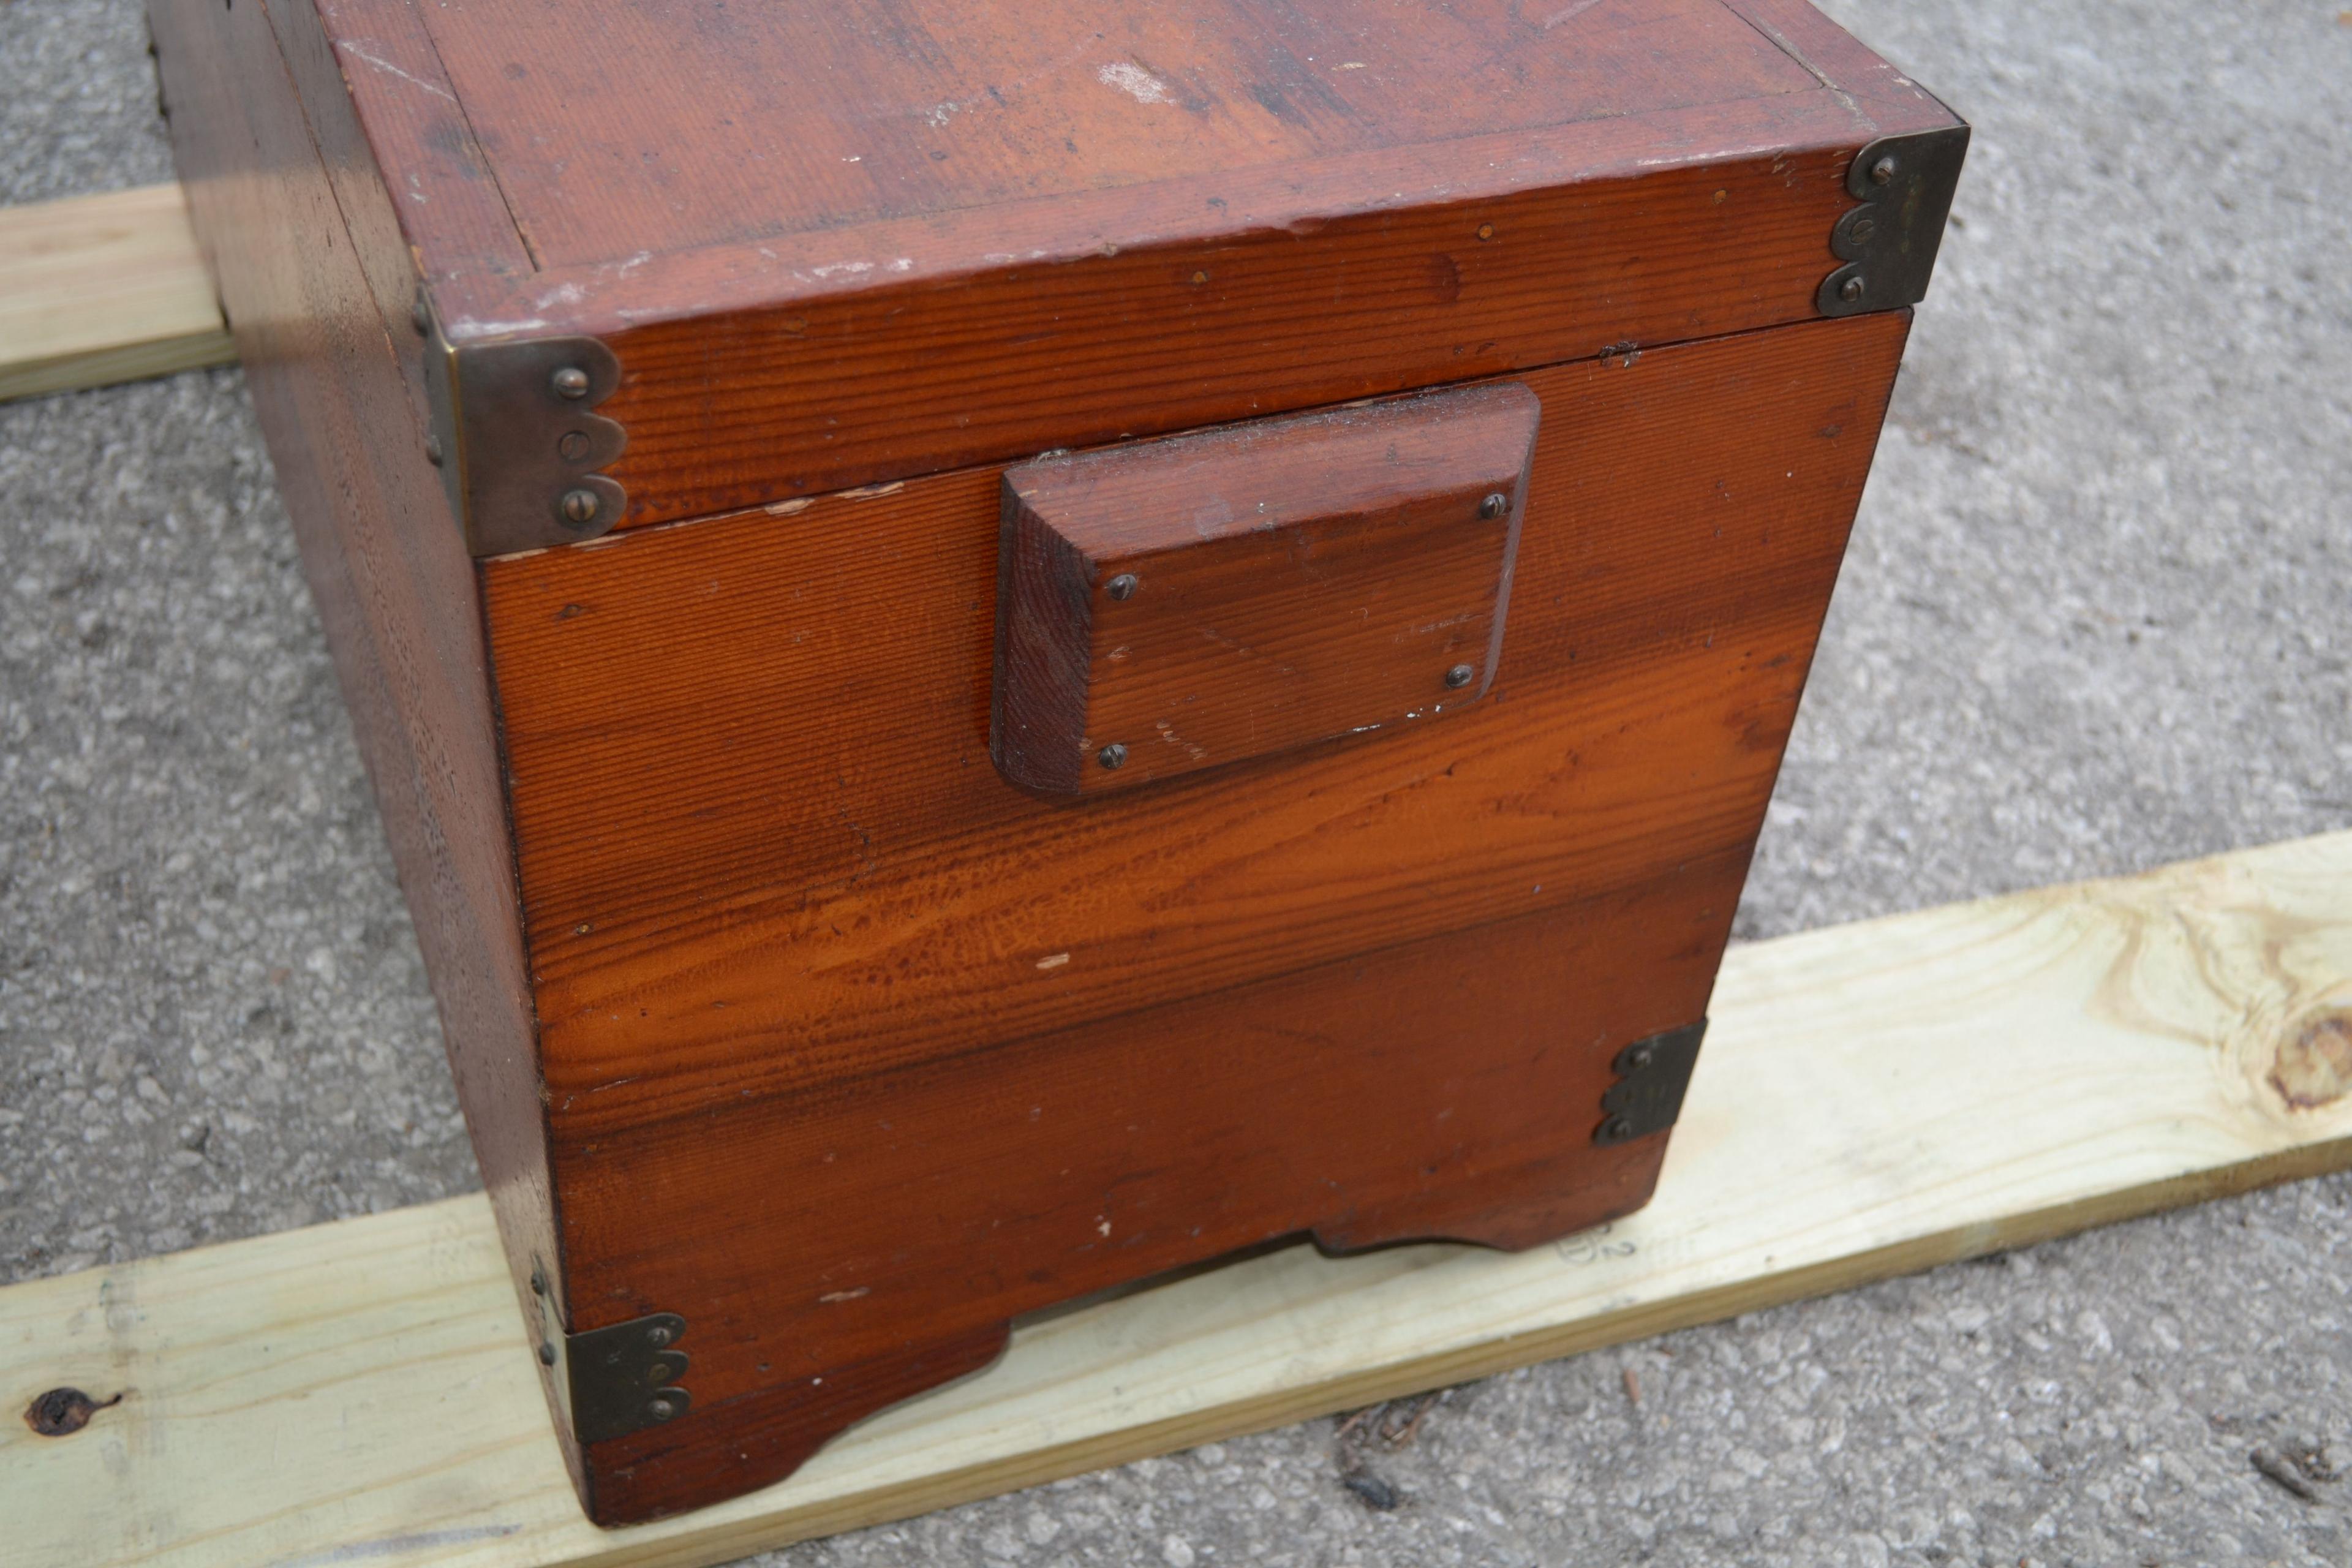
[{"x": 2095, "y": 619}]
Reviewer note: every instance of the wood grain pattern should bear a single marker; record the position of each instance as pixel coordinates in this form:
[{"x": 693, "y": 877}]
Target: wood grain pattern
[
  {"x": 758, "y": 822},
  {"x": 1236, "y": 593},
  {"x": 932, "y": 107},
  {"x": 370, "y": 210},
  {"x": 767, "y": 389},
  {"x": 977, "y": 1051},
  {"x": 807, "y": 288},
  {"x": 96, "y": 289},
  {"x": 377, "y": 89},
  {"x": 387, "y": 570},
  {"x": 289, "y": 1398},
  {"x": 1449, "y": 1088}
]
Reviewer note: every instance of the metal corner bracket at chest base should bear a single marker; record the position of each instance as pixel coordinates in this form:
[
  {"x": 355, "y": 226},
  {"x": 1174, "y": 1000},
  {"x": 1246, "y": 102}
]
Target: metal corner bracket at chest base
[
  {"x": 619, "y": 1379},
  {"x": 516, "y": 438},
  {"x": 1653, "y": 1075}
]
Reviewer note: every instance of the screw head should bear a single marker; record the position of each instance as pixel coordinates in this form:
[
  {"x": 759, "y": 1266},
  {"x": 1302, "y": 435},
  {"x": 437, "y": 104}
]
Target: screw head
[
  {"x": 1459, "y": 676},
  {"x": 420, "y": 314},
  {"x": 661, "y": 1409},
  {"x": 1616, "y": 1130},
  {"x": 573, "y": 446},
  {"x": 1638, "y": 1057},
  {"x": 570, "y": 382},
  {"x": 1883, "y": 169},
  {"x": 1863, "y": 230},
  {"x": 579, "y": 506},
  {"x": 539, "y": 1281},
  {"x": 1850, "y": 289},
  {"x": 1122, "y": 586},
  {"x": 434, "y": 453},
  {"x": 657, "y": 1374},
  {"x": 1485, "y": 231},
  {"x": 660, "y": 1335},
  {"x": 547, "y": 1353},
  {"x": 1112, "y": 756},
  {"x": 1493, "y": 506}
]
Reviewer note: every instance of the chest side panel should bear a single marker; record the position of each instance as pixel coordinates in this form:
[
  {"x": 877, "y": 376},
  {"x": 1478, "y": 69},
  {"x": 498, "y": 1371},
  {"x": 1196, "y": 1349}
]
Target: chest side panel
[
  {"x": 763, "y": 847},
  {"x": 387, "y": 571}
]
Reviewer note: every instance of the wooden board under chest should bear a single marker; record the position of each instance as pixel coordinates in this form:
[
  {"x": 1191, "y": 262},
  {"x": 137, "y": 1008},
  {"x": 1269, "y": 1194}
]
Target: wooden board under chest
[{"x": 1008, "y": 649}]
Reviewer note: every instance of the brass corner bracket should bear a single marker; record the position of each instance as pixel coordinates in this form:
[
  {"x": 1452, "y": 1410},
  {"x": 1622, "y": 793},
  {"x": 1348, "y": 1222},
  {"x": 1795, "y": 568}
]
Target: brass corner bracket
[
  {"x": 515, "y": 438},
  {"x": 1652, "y": 1074},
  {"x": 613, "y": 1381},
  {"x": 625, "y": 1377},
  {"x": 1888, "y": 244}
]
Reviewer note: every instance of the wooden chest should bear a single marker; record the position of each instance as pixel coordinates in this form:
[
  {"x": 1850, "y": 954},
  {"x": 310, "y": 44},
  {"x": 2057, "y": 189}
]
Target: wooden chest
[{"x": 1008, "y": 648}]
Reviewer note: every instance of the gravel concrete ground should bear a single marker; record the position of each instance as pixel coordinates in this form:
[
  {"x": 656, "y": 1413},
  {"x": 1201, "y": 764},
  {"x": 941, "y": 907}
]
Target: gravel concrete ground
[{"x": 2095, "y": 619}]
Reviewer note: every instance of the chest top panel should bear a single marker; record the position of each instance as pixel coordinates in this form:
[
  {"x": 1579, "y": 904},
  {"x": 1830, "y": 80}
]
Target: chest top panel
[{"x": 614, "y": 130}]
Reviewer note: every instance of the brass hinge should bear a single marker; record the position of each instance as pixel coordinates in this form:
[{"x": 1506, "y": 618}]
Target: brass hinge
[
  {"x": 516, "y": 440},
  {"x": 1888, "y": 244},
  {"x": 1652, "y": 1074}
]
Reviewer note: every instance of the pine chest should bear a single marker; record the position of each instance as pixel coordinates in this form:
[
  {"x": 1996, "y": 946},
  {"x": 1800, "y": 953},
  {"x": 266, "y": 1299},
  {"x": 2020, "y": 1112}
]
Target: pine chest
[{"x": 1008, "y": 648}]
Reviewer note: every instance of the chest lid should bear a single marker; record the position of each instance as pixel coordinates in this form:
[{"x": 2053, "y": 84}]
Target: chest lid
[{"x": 831, "y": 246}]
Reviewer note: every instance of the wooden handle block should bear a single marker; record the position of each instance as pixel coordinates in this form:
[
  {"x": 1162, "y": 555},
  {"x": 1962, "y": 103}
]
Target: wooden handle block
[{"x": 1174, "y": 605}]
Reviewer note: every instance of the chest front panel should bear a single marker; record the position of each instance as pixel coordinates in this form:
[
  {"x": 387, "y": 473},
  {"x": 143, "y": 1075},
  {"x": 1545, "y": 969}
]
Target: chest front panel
[
  {"x": 870, "y": 1026},
  {"x": 763, "y": 845}
]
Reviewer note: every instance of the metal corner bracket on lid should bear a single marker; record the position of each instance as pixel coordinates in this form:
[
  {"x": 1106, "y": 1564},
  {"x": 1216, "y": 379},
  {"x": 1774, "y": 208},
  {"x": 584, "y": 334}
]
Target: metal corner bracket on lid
[
  {"x": 515, "y": 438},
  {"x": 1888, "y": 244}
]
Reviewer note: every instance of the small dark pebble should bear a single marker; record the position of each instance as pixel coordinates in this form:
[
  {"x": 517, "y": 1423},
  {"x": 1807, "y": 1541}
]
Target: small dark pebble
[{"x": 1372, "y": 1492}]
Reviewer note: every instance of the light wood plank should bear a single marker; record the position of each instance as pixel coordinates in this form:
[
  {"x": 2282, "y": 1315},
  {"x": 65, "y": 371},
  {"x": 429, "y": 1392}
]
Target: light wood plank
[
  {"x": 96, "y": 289},
  {"x": 1874, "y": 1098}
]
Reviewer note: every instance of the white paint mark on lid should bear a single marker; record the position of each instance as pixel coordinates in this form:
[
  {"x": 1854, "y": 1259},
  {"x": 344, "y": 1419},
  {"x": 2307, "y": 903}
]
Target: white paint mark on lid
[
  {"x": 1136, "y": 82},
  {"x": 469, "y": 326},
  {"x": 356, "y": 48},
  {"x": 1054, "y": 961}
]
